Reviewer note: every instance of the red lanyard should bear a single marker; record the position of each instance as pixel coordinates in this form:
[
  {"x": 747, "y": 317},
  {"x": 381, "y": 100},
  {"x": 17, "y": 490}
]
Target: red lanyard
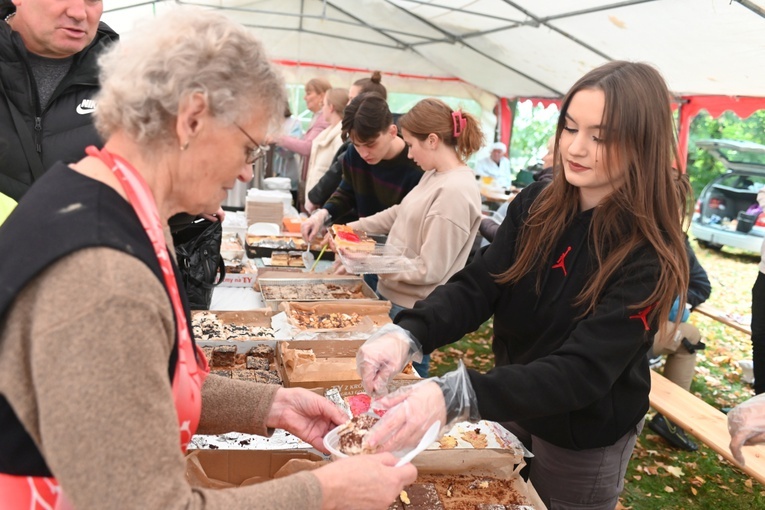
[{"x": 189, "y": 373}]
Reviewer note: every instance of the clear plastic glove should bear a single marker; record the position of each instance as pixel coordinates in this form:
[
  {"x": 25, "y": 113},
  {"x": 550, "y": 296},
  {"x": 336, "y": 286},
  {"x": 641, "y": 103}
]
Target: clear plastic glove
[
  {"x": 746, "y": 424},
  {"x": 311, "y": 227},
  {"x": 383, "y": 356},
  {"x": 413, "y": 409}
]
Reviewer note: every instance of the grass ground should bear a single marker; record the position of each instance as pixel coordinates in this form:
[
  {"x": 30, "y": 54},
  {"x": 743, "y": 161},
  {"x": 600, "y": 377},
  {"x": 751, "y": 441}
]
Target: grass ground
[{"x": 660, "y": 476}]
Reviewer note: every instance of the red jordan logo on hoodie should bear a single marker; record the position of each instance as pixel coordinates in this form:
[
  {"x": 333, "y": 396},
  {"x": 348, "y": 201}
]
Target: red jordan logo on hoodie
[
  {"x": 642, "y": 314},
  {"x": 562, "y": 261}
]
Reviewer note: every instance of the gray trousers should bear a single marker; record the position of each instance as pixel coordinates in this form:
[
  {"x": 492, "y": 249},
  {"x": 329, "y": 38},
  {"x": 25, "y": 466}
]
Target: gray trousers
[{"x": 569, "y": 479}]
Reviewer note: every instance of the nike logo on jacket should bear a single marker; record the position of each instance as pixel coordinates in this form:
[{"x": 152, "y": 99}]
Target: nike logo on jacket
[{"x": 86, "y": 107}]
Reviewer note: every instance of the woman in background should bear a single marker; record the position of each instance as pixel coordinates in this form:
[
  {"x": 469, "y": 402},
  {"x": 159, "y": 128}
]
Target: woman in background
[
  {"x": 325, "y": 145},
  {"x": 287, "y": 163},
  {"x": 314, "y": 100}
]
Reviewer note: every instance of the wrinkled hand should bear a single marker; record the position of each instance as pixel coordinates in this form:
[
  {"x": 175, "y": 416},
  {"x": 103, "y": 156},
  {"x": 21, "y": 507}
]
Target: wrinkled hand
[
  {"x": 410, "y": 412},
  {"x": 311, "y": 227},
  {"x": 383, "y": 356},
  {"x": 746, "y": 424},
  {"x": 310, "y": 206},
  {"x": 365, "y": 481},
  {"x": 304, "y": 414}
]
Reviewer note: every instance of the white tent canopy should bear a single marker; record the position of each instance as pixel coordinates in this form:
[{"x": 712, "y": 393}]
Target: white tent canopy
[{"x": 499, "y": 48}]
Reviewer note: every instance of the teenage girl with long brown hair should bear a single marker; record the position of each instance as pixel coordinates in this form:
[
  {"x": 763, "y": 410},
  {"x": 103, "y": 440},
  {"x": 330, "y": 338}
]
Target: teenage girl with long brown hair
[{"x": 578, "y": 279}]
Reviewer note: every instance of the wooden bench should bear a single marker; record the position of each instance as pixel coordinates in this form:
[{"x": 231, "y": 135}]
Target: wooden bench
[
  {"x": 722, "y": 317},
  {"x": 705, "y": 422}
]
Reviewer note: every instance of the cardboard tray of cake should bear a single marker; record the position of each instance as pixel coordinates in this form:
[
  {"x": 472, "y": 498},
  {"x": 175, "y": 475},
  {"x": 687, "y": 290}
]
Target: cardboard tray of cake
[
  {"x": 265, "y": 245},
  {"x": 244, "y": 329},
  {"x": 239, "y": 273},
  {"x": 468, "y": 480},
  {"x": 452, "y": 480},
  {"x": 277, "y": 287},
  {"x": 326, "y": 364},
  {"x": 324, "y": 319}
]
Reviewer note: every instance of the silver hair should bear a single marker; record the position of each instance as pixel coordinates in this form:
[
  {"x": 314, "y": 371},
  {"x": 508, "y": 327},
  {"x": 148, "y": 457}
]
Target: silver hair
[{"x": 187, "y": 50}]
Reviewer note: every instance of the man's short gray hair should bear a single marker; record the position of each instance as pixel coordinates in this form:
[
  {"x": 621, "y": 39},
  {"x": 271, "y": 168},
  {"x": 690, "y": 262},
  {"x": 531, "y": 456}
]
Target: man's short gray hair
[{"x": 145, "y": 76}]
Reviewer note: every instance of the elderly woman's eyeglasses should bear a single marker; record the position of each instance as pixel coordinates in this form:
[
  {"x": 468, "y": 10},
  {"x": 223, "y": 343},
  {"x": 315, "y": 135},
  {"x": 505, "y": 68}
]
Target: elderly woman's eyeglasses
[{"x": 253, "y": 154}]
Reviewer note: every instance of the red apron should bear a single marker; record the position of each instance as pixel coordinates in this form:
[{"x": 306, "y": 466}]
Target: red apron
[{"x": 41, "y": 493}]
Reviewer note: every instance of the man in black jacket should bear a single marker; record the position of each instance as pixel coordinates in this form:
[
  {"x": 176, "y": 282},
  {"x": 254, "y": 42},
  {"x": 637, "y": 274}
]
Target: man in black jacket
[{"x": 48, "y": 82}]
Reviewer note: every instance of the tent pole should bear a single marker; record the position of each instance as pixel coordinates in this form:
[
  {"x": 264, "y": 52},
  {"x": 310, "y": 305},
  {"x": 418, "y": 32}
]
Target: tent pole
[
  {"x": 506, "y": 118},
  {"x": 684, "y": 117}
]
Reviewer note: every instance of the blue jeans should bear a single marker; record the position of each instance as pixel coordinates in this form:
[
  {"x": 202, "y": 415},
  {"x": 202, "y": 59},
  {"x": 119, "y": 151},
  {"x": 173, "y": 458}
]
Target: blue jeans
[{"x": 421, "y": 368}]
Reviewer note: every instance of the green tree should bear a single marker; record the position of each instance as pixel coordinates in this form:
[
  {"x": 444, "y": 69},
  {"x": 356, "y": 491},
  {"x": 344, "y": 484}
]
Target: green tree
[{"x": 532, "y": 127}]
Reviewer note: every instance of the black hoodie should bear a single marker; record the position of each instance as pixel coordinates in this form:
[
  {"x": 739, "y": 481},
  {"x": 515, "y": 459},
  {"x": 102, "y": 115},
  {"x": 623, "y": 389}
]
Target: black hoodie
[
  {"x": 576, "y": 383},
  {"x": 61, "y": 131}
]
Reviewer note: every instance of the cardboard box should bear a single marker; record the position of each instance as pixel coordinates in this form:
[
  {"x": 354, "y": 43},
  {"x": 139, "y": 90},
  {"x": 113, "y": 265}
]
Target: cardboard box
[
  {"x": 274, "y": 284},
  {"x": 372, "y": 315},
  {"x": 335, "y": 366},
  {"x": 239, "y": 280},
  {"x": 499, "y": 464},
  {"x": 260, "y": 318},
  {"x": 232, "y": 468},
  {"x": 246, "y": 278}
]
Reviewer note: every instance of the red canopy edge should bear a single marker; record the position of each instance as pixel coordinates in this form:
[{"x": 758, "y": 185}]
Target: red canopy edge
[
  {"x": 346, "y": 69},
  {"x": 689, "y": 106},
  {"x": 743, "y": 106}
]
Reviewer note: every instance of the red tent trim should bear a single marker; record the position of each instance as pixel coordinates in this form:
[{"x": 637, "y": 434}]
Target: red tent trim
[
  {"x": 743, "y": 106},
  {"x": 295, "y": 63}
]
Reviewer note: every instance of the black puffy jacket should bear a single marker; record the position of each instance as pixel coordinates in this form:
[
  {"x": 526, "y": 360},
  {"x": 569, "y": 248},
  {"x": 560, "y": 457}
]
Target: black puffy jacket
[{"x": 61, "y": 131}]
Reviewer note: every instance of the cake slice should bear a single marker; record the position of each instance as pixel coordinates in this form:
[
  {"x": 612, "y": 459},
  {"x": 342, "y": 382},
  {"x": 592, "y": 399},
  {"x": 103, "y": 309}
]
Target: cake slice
[
  {"x": 344, "y": 237},
  {"x": 351, "y": 435},
  {"x": 295, "y": 259},
  {"x": 280, "y": 258}
]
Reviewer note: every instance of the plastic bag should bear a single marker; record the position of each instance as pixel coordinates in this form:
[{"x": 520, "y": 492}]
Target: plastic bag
[
  {"x": 197, "y": 248},
  {"x": 746, "y": 424}
]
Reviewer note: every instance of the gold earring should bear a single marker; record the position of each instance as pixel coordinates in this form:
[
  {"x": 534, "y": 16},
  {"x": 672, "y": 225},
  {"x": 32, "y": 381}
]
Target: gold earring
[{"x": 185, "y": 146}]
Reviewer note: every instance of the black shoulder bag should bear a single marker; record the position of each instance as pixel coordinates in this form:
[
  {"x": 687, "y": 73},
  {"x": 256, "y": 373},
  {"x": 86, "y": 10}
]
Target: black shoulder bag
[{"x": 197, "y": 248}]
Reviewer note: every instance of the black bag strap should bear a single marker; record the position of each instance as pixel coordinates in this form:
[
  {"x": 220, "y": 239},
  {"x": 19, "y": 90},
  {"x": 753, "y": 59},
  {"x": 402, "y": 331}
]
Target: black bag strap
[{"x": 26, "y": 138}]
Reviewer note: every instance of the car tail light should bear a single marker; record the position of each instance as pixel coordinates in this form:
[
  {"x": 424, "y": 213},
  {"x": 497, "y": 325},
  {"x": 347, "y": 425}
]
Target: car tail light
[
  {"x": 697, "y": 209},
  {"x": 760, "y": 220},
  {"x": 717, "y": 203}
]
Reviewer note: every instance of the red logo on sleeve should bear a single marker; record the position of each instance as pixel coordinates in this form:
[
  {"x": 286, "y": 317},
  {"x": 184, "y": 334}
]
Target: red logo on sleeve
[
  {"x": 561, "y": 264},
  {"x": 642, "y": 315}
]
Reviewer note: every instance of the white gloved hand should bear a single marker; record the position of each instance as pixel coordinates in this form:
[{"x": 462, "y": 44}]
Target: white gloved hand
[
  {"x": 311, "y": 227},
  {"x": 383, "y": 356},
  {"x": 746, "y": 424},
  {"x": 411, "y": 410}
]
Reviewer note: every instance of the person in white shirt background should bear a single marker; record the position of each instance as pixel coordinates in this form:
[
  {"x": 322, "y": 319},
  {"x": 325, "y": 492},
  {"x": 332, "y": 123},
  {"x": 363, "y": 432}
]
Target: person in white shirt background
[{"x": 496, "y": 165}]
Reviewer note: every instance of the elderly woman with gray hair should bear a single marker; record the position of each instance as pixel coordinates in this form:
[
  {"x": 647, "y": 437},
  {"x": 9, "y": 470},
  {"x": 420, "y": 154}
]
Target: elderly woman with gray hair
[{"x": 101, "y": 384}]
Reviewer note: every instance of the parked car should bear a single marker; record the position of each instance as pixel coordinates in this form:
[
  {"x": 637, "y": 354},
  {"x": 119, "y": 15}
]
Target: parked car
[{"x": 726, "y": 212}]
